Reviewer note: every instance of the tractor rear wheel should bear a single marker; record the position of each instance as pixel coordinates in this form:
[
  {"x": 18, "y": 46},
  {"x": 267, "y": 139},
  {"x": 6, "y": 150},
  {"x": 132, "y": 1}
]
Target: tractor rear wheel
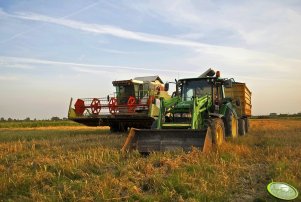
[
  {"x": 231, "y": 124},
  {"x": 217, "y": 131},
  {"x": 241, "y": 127}
]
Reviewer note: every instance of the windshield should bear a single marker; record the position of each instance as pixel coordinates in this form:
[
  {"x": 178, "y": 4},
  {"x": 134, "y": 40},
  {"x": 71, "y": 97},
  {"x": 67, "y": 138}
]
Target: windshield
[
  {"x": 199, "y": 87},
  {"x": 124, "y": 92}
]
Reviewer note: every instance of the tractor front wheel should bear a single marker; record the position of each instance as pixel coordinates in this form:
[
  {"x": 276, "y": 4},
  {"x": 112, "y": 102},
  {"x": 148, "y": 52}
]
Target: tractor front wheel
[{"x": 218, "y": 131}]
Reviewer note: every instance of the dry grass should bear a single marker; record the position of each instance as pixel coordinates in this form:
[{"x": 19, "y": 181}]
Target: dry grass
[{"x": 66, "y": 164}]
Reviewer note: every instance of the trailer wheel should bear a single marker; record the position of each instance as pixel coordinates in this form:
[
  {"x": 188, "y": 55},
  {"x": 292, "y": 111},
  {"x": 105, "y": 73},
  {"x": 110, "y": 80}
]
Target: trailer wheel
[
  {"x": 247, "y": 124},
  {"x": 218, "y": 131},
  {"x": 231, "y": 124},
  {"x": 241, "y": 127}
]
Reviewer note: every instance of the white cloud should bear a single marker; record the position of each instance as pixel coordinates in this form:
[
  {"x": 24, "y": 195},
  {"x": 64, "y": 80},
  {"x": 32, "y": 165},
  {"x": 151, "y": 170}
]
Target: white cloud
[
  {"x": 18, "y": 62},
  {"x": 110, "y": 30},
  {"x": 264, "y": 26},
  {"x": 239, "y": 55}
]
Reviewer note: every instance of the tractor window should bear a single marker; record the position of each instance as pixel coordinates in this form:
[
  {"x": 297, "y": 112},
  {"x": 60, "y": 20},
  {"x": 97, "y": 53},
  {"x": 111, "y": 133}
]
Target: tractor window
[{"x": 198, "y": 87}]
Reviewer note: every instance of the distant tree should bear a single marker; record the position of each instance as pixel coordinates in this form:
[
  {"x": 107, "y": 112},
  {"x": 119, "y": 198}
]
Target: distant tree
[
  {"x": 9, "y": 119},
  {"x": 27, "y": 119},
  {"x": 55, "y": 118},
  {"x": 2, "y": 119},
  {"x": 65, "y": 119}
]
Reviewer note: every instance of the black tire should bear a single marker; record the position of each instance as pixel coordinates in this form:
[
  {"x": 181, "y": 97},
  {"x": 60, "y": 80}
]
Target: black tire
[
  {"x": 241, "y": 127},
  {"x": 247, "y": 124},
  {"x": 118, "y": 128},
  {"x": 231, "y": 124},
  {"x": 114, "y": 128},
  {"x": 217, "y": 131},
  {"x": 154, "y": 124},
  {"x": 123, "y": 128}
]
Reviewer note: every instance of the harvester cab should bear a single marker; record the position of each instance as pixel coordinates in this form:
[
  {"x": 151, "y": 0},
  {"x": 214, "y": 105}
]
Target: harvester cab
[
  {"x": 199, "y": 115},
  {"x": 131, "y": 105}
]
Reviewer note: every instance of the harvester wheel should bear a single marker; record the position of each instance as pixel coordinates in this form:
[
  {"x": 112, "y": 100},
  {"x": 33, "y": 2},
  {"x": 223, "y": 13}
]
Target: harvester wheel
[
  {"x": 118, "y": 128},
  {"x": 95, "y": 106},
  {"x": 114, "y": 128},
  {"x": 113, "y": 105},
  {"x": 131, "y": 104},
  {"x": 231, "y": 124},
  {"x": 218, "y": 131},
  {"x": 241, "y": 127}
]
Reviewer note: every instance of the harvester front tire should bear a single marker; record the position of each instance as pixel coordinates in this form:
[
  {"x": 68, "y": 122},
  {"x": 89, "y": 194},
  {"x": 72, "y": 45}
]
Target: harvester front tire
[
  {"x": 231, "y": 125},
  {"x": 241, "y": 127},
  {"x": 118, "y": 128},
  {"x": 218, "y": 132},
  {"x": 114, "y": 128}
]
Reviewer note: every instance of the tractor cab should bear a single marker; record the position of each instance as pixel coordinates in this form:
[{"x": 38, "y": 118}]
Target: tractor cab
[{"x": 211, "y": 86}]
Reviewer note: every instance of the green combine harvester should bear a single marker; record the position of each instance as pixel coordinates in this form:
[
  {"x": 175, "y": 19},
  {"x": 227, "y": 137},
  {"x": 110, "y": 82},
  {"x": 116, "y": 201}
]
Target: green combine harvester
[{"x": 201, "y": 113}]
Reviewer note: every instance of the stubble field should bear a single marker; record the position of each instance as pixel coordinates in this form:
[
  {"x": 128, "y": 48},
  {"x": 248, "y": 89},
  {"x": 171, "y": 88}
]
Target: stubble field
[{"x": 76, "y": 163}]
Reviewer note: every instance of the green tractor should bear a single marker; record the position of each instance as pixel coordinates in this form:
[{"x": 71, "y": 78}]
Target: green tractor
[{"x": 199, "y": 114}]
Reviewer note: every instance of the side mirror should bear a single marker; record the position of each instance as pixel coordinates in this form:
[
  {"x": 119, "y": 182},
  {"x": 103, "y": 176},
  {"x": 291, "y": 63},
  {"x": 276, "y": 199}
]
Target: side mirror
[
  {"x": 166, "y": 86},
  {"x": 228, "y": 83}
]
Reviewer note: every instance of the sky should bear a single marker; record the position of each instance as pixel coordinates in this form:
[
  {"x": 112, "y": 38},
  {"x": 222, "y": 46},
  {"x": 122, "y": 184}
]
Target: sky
[{"x": 53, "y": 50}]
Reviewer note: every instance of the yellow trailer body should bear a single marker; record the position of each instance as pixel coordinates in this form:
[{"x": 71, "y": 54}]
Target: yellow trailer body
[{"x": 240, "y": 91}]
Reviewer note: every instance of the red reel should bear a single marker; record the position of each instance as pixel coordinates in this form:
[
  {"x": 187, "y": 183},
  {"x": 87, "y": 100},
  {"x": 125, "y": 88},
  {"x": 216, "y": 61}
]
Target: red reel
[
  {"x": 79, "y": 107},
  {"x": 113, "y": 105},
  {"x": 95, "y": 106},
  {"x": 131, "y": 104}
]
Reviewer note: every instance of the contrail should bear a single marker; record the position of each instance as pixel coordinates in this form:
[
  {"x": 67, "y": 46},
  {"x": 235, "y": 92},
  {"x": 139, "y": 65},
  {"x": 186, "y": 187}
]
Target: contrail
[
  {"x": 14, "y": 61},
  {"x": 39, "y": 26}
]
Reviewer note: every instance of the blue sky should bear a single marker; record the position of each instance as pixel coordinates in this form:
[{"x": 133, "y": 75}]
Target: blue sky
[{"x": 53, "y": 50}]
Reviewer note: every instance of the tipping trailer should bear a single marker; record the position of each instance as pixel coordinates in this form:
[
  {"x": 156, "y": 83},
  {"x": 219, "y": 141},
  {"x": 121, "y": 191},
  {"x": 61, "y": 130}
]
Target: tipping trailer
[
  {"x": 132, "y": 105},
  {"x": 200, "y": 114}
]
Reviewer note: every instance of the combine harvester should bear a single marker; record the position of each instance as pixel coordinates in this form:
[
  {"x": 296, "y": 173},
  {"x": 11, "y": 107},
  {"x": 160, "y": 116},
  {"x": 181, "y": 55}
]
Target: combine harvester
[
  {"x": 201, "y": 113},
  {"x": 132, "y": 105}
]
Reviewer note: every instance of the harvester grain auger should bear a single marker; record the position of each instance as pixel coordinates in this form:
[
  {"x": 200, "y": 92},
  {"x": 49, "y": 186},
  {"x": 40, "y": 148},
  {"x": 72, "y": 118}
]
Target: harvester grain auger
[{"x": 199, "y": 115}]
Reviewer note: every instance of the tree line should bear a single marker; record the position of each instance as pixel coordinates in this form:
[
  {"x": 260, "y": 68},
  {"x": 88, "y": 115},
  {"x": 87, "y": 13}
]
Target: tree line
[{"x": 54, "y": 118}]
